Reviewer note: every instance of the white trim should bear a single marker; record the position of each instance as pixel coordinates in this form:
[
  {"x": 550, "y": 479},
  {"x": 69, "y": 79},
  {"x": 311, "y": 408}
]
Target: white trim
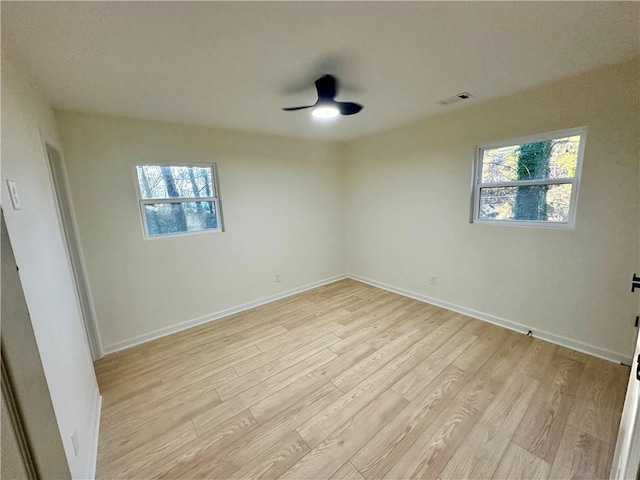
[
  {"x": 603, "y": 353},
  {"x": 528, "y": 224},
  {"x": 93, "y": 460},
  {"x": 216, "y": 316},
  {"x": 626, "y": 457},
  {"x": 524, "y": 183},
  {"x": 155, "y": 201},
  {"x": 94, "y": 340},
  {"x": 589, "y": 349},
  {"x": 206, "y": 231}
]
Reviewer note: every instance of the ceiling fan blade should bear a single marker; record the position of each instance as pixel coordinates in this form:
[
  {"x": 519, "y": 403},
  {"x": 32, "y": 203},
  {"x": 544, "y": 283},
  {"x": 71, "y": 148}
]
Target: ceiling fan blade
[
  {"x": 327, "y": 87},
  {"x": 291, "y": 109},
  {"x": 348, "y": 108}
]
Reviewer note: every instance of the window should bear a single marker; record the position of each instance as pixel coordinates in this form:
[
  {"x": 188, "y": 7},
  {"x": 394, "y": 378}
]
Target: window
[
  {"x": 531, "y": 181},
  {"x": 178, "y": 199}
]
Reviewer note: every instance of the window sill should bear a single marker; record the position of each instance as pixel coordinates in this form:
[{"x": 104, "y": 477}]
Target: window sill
[{"x": 518, "y": 223}]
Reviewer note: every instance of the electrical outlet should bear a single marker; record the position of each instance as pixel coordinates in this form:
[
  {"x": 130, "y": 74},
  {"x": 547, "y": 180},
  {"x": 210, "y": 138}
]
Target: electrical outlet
[
  {"x": 278, "y": 278},
  {"x": 75, "y": 441},
  {"x": 434, "y": 281}
]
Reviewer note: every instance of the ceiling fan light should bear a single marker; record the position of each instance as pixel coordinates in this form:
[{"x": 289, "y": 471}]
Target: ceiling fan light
[{"x": 325, "y": 112}]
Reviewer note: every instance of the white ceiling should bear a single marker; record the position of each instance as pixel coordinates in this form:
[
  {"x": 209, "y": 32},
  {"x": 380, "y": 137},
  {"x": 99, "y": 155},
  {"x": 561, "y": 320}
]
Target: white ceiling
[{"x": 235, "y": 64}]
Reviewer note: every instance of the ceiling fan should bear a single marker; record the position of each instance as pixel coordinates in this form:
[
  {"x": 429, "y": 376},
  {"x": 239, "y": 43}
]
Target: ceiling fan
[{"x": 326, "y": 106}]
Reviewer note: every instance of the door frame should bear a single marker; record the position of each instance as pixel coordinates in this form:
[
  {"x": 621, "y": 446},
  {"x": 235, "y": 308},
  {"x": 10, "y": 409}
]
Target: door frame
[
  {"x": 627, "y": 452},
  {"x": 75, "y": 257}
]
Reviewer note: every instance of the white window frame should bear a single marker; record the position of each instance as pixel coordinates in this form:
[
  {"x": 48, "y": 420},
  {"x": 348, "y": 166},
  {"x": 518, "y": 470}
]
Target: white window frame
[
  {"x": 575, "y": 181},
  {"x": 215, "y": 187}
]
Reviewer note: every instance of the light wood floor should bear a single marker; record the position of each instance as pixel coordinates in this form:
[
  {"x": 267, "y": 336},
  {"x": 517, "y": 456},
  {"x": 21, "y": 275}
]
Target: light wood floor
[{"x": 349, "y": 381}]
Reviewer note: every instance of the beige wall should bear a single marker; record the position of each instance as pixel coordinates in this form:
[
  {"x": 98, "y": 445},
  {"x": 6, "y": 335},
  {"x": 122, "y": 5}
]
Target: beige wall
[
  {"x": 13, "y": 465},
  {"x": 408, "y": 200},
  {"x": 405, "y": 198},
  {"x": 282, "y": 205},
  {"x": 45, "y": 272}
]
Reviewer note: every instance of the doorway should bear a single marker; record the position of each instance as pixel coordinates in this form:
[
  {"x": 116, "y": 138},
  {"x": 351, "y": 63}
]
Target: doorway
[{"x": 58, "y": 175}]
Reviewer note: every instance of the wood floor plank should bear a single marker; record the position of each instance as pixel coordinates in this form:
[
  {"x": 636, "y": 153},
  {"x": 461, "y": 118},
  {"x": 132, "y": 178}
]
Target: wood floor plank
[
  {"x": 203, "y": 449},
  {"x": 452, "y": 323},
  {"x": 324, "y": 423},
  {"x": 371, "y": 317},
  {"x": 319, "y": 315},
  {"x": 374, "y": 362},
  {"x": 474, "y": 357},
  {"x": 407, "y": 324},
  {"x": 128, "y": 389},
  {"x": 541, "y": 428},
  {"x": 431, "y": 451},
  {"x": 537, "y": 358},
  {"x": 159, "y": 351},
  {"x": 347, "y": 472},
  {"x": 580, "y": 456},
  {"x": 234, "y": 455},
  {"x": 369, "y": 330},
  {"x": 265, "y": 317},
  {"x": 209, "y": 361},
  {"x": 353, "y": 303},
  {"x": 480, "y": 329},
  {"x": 480, "y": 453},
  {"x": 297, "y": 335},
  {"x": 594, "y": 406},
  {"x": 163, "y": 397},
  {"x": 327, "y": 458},
  {"x": 274, "y": 404},
  {"x": 138, "y": 370},
  {"x": 146, "y": 355},
  {"x": 269, "y": 369},
  {"x": 214, "y": 416},
  {"x": 308, "y": 386},
  {"x": 274, "y": 461},
  {"x": 573, "y": 354},
  {"x": 414, "y": 381},
  {"x": 285, "y": 421},
  {"x": 621, "y": 379},
  {"x": 421, "y": 308},
  {"x": 485, "y": 384},
  {"x": 138, "y": 431},
  {"x": 248, "y": 365},
  {"x": 564, "y": 374},
  {"x": 519, "y": 463},
  {"x": 131, "y": 463},
  {"x": 240, "y": 342},
  {"x": 381, "y": 453}
]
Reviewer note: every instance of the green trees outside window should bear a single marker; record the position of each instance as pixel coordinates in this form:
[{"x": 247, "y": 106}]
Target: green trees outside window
[{"x": 529, "y": 181}]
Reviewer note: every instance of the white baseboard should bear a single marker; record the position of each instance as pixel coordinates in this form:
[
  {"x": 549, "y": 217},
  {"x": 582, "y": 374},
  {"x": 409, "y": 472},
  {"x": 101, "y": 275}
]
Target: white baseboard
[
  {"x": 215, "y": 316},
  {"x": 603, "y": 353},
  {"x": 599, "y": 352},
  {"x": 93, "y": 461}
]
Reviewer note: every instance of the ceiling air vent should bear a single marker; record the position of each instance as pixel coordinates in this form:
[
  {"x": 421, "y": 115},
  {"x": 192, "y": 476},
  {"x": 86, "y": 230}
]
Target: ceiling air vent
[{"x": 456, "y": 98}]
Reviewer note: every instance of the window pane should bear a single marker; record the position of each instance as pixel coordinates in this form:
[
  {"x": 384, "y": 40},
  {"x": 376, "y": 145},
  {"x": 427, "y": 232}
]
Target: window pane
[
  {"x": 159, "y": 182},
  {"x": 555, "y": 158},
  {"x": 164, "y": 218},
  {"x": 538, "y": 203}
]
